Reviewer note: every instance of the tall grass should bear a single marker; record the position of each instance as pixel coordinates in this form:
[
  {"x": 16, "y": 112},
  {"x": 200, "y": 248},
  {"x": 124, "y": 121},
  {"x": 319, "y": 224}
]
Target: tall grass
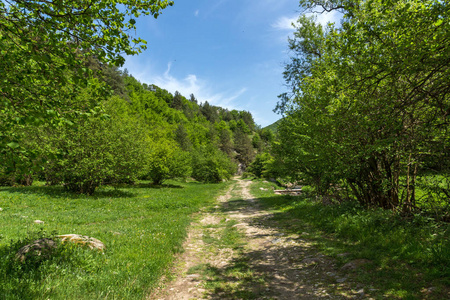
[{"x": 142, "y": 227}]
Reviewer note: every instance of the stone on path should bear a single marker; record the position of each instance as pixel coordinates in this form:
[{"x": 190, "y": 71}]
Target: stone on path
[{"x": 355, "y": 264}]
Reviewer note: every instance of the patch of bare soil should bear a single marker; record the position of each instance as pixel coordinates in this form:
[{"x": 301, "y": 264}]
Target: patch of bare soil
[{"x": 269, "y": 264}]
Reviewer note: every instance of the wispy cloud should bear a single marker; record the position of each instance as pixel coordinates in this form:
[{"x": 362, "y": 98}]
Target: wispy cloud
[
  {"x": 284, "y": 23},
  {"x": 196, "y": 13},
  {"x": 191, "y": 84},
  {"x": 327, "y": 17}
]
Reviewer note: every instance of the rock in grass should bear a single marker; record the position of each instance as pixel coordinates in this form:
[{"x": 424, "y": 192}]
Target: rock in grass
[
  {"x": 355, "y": 264},
  {"x": 41, "y": 247},
  {"x": 44, "y": 247},
  {"x": 38, "y": 222},
  {"x": 91, "y": 242}
]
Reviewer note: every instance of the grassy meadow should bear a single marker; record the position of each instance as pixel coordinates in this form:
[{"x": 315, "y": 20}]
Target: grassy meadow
[{"x": 142, "y": 226}]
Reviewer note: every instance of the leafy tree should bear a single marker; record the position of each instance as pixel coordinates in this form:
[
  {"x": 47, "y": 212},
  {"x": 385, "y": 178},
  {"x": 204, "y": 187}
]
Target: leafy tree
[
  {"x": 248, "y": 119},
  {"x": 242, "y": 126},
  {"x": 368, "y": 100},
  {"x": 44, "y": 46},
  {"x": 96, "y": 150},
  {"x": 211, "y": 165},
  {"x": 166, "y": 161},
  {"x": 257, "y": 142},
  {"x": 244, "y": 148}
]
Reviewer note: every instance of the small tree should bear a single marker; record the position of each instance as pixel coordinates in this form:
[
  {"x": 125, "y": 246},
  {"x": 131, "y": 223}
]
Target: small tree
[
  {"x": 211, "y": 165},
  {"x": 165, "y": 161}
]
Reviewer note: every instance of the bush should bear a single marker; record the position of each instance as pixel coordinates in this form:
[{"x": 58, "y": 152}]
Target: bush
[
  {"x": 212, "y": 166},
  {"x": 265, "y": 166},
  {"x": 94, "y": 151},
  {"x": 165, "y": 161}
]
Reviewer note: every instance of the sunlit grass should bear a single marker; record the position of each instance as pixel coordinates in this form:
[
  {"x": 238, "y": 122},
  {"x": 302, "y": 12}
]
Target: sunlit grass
[{"x": 142, "y": 227}]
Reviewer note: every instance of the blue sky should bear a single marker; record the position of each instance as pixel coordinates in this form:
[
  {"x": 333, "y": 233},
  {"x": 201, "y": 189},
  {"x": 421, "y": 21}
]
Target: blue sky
[{"x": 227, "y": 52}]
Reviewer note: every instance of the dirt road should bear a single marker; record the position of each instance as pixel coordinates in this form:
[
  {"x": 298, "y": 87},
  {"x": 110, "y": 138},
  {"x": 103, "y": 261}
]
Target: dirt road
[{"x": 236, "y": 252}]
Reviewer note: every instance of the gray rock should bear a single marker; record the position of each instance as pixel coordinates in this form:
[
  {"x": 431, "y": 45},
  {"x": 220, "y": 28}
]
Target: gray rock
[
  {"x": 91, "y": 242},
  {"x": 311, "y": 260},
  {"x": 343, "y": 254},
  {"x": 42, "y": 247},
  {"x": 355, "y": 264}
]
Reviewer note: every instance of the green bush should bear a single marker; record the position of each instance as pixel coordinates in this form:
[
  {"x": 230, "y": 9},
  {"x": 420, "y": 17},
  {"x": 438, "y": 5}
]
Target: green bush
[
  {"x": 94, "y": 151},
  {"x": 211, "y": 165},
  {"x": 165, "y": 161},
  {"x": 265, "y": 166}
]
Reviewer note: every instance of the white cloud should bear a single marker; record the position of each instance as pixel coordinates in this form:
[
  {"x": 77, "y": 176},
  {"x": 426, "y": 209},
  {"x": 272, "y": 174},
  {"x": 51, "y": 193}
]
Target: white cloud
[
  {"x": 196, "y": 13},
  {"x": 191, "y": 84},
  {"x": 284, "y": 23},
  {"x": 327, "y": 17}
]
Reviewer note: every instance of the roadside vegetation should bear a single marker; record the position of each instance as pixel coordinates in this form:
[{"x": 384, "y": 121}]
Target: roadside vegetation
[{"x": 408, "y": 258}]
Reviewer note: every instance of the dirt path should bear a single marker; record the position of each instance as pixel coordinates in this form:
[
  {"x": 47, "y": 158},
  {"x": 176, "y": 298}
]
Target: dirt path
[{"x": 236, "y": 252}]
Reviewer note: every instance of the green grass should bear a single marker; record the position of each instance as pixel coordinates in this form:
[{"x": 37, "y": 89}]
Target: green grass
[
  {"x": 408, "y": 256},
  {"x": 142, "y": 227}
]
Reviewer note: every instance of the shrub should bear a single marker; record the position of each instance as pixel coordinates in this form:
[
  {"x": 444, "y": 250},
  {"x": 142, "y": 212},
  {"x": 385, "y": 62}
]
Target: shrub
[
  {"x": 165, "y": 161},
  {"x": 211, "y": 165},
  {"x": 95, "y": 150}
]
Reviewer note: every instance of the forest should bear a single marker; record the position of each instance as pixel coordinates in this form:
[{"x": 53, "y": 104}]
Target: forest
[
  {"x": 363, "y": 131},
  {"x": 140, "y": 132}
]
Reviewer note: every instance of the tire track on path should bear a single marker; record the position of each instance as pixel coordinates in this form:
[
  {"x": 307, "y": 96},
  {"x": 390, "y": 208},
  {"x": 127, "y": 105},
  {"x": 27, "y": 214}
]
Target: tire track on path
[{"x": 264, "y": 263}]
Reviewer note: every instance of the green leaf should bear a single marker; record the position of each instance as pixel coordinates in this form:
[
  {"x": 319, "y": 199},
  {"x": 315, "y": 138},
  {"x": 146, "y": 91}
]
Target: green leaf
[
  {"x": 438, "y": 22},
  {"x": 13, "y": 145}
]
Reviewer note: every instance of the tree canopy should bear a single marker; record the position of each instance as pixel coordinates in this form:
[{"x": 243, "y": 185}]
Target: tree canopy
[
  {"x": 44, "y": 48},
  {"x": 369, "y": 103}
]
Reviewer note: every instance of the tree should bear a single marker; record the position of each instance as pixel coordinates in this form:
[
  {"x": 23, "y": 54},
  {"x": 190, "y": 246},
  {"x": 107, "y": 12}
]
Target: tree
[
  {"x": 244, "y": 148},
  {"x": 225, "y": 141},
  {"x": 192, "y": 99},
  {"x": 177, "y": 101},
  {"x": 211, "y": 165},
  {"x": 96, "y": 150},
  {"x": 44, "y": 46},
  {"x": 370, "y": 100},
  {"x": 165, "y": 160},
  {"x": 209, "y": 111},
  {"x": 182, "y": 138}
]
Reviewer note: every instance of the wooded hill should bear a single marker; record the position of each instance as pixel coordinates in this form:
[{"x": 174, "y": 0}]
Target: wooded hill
[{"x": 140, "y": 131}]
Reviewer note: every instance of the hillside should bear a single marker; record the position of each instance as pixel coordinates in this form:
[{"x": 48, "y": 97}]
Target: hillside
[{"x": 273, "y": 127}]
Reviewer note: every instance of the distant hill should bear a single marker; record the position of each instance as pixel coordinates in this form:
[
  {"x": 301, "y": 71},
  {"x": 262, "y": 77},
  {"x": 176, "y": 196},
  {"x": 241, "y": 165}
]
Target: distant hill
[{"x": 273, "y": 127}]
